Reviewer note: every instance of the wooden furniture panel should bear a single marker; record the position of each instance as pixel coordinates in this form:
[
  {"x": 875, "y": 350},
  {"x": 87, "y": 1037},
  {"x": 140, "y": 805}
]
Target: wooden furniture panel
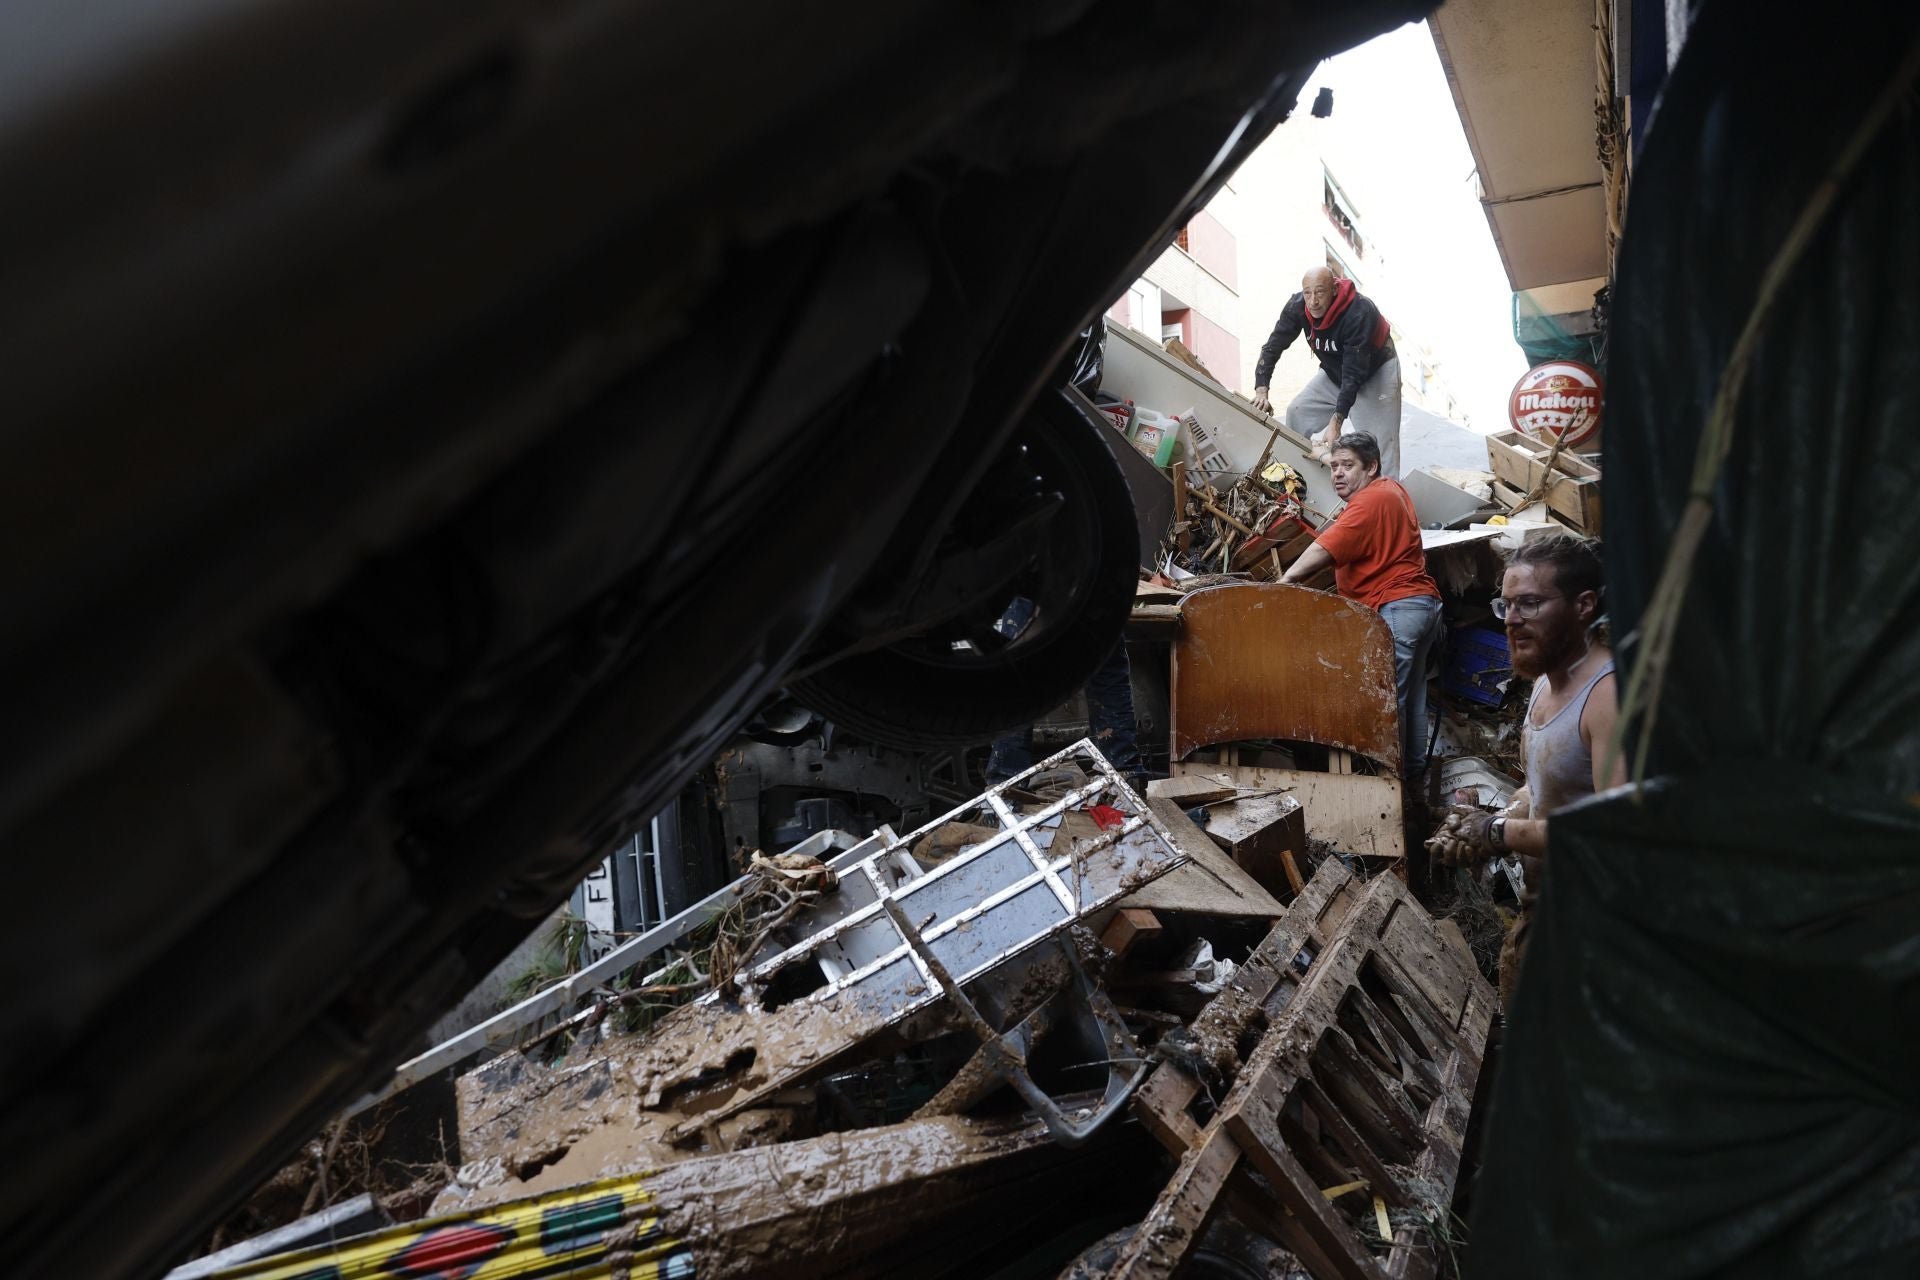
[{"x": 1269, "y": 661}]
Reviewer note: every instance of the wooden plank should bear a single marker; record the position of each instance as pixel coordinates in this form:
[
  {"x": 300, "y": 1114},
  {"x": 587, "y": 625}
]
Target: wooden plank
[
  {"x": 1161, "y": 1107},
  {"x": 1518, "y": 449},
  {"x": 1431, "y": 961},
  {"x": 1254, "y": 1126},
  {"x": 1418, "y": 1006},
  {"x": 1181, "y": 352},
  {"x": 1208, "y": 883},
  {"x": 1413, "y": 1059},
  {"x": 1355, "y": 813},
  {"x": 1129, "y": 925},
  {"x": 1365, "y": 1159},
  {"x": 1163, "y": 1242},
  {"x": 1508, "y": 496},
  {"x": 1349, "y": 1077},
  {"x": 1161, "y": 1103},
  {"x": 1253, "y": 1202},
  {"x": 1301, "y": 1130},
  {"x": 1282, "y": 532},
  {"x": 1154, "y": 623},
  {"x": 1188, "y": 790}
]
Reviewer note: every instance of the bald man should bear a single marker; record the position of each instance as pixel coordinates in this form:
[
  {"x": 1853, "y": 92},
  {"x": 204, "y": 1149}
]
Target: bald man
[{"x": 1358, "y": 386}]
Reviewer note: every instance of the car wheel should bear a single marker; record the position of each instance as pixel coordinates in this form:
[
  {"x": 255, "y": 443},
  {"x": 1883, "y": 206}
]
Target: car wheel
[{"x": 1025, "y": 641}]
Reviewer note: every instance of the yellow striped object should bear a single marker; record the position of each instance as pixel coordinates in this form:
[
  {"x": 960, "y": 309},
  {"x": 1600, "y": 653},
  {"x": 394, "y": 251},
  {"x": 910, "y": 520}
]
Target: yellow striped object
[{"x": 605, "y": 1229}]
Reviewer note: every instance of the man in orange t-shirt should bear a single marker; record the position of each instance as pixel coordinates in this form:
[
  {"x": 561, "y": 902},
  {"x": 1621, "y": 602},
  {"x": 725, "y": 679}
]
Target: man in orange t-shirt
[{"x": 1374, "y": 548}]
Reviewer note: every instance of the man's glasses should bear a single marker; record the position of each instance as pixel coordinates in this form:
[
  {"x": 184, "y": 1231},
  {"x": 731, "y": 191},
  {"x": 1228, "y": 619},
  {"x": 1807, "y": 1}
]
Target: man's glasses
[{"x": 1521, "y": 609}]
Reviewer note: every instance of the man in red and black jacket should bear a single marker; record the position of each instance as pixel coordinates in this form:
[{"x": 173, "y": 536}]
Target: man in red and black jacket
[{"x": 1358, "y": 386}]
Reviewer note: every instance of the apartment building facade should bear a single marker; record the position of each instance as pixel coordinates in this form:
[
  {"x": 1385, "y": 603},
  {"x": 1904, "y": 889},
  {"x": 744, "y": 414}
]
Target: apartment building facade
[{"x": 1220, "y": 286}]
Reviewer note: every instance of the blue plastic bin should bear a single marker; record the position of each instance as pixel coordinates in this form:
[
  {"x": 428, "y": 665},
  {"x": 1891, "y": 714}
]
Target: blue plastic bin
[{"x": 1478, "y": 665}]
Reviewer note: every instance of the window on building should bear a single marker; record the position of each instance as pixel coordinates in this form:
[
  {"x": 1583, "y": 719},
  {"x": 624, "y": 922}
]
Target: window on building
[
  {"x": 1340, "y": 213},
  {"x": 1175, "y": 323},
  {"x": 1180, "y": 239},
  {"x": 1340, "y": 267},
  {"x": 1143, "y": 307}
]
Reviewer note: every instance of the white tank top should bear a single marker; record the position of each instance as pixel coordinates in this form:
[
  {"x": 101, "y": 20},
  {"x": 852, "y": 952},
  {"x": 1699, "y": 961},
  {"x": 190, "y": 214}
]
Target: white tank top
[{"x": 1559, "y": 765}]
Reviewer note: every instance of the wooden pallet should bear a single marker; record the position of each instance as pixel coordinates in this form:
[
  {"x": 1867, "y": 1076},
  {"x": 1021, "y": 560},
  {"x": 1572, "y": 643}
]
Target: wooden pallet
[
  {"x": 1574, "y": 493},
  {"x": 1365, "y": 1070}
]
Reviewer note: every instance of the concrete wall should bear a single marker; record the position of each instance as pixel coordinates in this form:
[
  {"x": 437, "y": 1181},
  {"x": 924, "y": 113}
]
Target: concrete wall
[
  {"x": 1217, "y": 347},
  {"x": 1214, "y": 249}
]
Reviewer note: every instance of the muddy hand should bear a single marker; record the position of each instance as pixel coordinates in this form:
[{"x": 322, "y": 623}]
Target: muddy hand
[
  {"x": 1460, "y": 840},
  {"x": 1449, "y": 852},
  {"x": 1476, "y": 828}
]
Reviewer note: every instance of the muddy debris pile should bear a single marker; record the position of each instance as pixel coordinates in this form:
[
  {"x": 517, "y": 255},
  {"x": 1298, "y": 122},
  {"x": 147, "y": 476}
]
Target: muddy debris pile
[
  {"x": 991, "y": 1039},
  {"x": 1253, "y": 530}
]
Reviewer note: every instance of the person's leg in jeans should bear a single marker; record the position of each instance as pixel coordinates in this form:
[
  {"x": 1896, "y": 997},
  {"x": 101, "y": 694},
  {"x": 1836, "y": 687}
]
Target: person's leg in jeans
[
  {"x": 1110, "y": 712},
  {"x": 1423, "y": 664},
  {"x": 1415, "y": 624}
]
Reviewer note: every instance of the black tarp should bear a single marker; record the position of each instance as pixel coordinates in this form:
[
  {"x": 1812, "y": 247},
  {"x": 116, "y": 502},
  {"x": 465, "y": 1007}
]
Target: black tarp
[{"x": 1713, "y": 1060}]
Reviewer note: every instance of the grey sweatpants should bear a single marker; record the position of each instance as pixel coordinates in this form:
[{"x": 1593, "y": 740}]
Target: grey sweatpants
[{"x": 1376, "y": 411}]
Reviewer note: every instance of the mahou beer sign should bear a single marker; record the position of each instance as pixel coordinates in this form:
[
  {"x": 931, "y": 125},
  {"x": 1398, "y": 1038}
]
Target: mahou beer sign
[{"x": 1554, "y": 399}]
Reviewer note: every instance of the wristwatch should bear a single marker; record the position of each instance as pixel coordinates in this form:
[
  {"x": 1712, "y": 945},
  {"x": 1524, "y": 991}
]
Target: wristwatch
[{"x": 1497, "y": 833}]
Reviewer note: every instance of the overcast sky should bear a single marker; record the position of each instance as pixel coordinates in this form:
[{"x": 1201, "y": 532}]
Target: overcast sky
[{"x": 1406, "y": 164}]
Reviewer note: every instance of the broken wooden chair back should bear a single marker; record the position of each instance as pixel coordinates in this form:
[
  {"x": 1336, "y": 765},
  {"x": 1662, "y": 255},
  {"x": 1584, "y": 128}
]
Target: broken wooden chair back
[{"x": 1256, "y": 662}]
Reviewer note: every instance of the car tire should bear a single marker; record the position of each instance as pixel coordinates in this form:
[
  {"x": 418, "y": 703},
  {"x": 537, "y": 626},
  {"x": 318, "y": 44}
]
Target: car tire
[{"x": 907, "y": 695}]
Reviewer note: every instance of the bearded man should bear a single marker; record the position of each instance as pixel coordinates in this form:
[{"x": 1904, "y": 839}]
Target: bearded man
[{"x": 1550, "y": 601}]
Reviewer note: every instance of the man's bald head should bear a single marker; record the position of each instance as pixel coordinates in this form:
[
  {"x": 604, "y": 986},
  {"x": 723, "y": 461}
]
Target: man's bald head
[{"x": 1316, "y": 289}]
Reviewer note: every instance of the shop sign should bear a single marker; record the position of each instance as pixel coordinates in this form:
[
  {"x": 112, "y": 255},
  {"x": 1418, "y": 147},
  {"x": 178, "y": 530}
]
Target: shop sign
[{"x": 1561, "y": 397}]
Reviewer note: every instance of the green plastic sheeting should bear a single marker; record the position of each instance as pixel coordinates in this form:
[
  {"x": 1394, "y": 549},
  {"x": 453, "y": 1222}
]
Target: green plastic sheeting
[{"x": 1544, "y": 338}]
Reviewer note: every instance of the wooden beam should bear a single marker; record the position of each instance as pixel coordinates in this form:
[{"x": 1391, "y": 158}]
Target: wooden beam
[{"x": 1130, "y": 925}]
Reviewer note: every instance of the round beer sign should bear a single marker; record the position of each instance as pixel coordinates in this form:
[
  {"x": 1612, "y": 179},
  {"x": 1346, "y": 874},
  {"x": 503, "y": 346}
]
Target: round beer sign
[{"x": 1559, "y": 398}]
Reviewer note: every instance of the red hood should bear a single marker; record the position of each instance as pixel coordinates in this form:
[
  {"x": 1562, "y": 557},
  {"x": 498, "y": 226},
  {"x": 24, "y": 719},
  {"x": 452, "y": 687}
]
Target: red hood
[{"x": 1343, "y": 295}]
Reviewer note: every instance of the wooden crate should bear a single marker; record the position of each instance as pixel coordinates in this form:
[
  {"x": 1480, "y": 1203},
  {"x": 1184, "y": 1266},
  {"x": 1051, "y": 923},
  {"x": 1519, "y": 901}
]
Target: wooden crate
[{"x": 1573, "y": 494}]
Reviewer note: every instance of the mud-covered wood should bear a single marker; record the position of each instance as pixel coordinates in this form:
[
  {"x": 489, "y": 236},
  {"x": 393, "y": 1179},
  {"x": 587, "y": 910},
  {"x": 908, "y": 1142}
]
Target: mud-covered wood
[
  {"x": 1366, "y": 1070},
  {"x": 1354, "y": 812},
  {"x": 1265, "y": 835},
  {"x": 1208, "y": 883},
  {"x": 1161, "y": 1103},
  {"x": 1128, "y": 926},
  {"x": 1269, "y": 661}
]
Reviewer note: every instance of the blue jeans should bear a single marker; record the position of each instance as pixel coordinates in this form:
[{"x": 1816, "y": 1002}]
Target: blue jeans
[
  {"x": 1109, "y": 723},
  {"x": 1415, "y": 623}
]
